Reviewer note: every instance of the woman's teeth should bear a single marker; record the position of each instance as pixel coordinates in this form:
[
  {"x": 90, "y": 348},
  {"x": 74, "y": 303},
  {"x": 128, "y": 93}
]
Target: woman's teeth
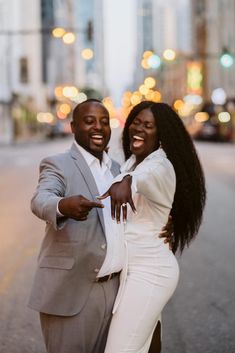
[{"x": 137, "y": 141}]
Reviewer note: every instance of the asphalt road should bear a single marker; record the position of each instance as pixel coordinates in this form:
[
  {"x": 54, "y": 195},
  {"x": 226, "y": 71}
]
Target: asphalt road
[{"x": 200, "y": 318}]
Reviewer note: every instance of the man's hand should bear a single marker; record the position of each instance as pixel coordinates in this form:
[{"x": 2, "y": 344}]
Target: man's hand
[
  {"x": 77, "y": 207},
  {"x": 120, "y": 194},
  {"x": 167, "y": 232}
]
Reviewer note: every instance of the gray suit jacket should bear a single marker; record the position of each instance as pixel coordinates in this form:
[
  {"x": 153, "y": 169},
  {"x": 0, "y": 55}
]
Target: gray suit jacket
[{"x": 72, "y": 252}]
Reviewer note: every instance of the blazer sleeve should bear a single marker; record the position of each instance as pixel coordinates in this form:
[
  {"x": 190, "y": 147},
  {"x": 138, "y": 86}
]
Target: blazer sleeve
[
  {"x": 156, "y": 182},
  {"x": 51, "y": 188}
]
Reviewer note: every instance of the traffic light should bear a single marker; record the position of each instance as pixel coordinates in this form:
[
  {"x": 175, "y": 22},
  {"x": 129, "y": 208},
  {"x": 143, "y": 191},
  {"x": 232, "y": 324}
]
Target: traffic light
[
  {"x": 89, "y": 31},
  {"x": 226, "y": 58}
]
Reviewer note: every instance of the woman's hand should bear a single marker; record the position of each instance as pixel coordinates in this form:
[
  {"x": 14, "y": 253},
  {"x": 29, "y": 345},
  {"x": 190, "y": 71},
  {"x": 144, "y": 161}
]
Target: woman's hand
[
  {"x": 120, "y": 194},
  {"x": 167, "y": 233}
]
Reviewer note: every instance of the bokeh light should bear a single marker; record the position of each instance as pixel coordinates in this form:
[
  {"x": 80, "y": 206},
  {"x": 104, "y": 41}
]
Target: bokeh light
[
  {"x": 218, "y": 96},
  {"x": 70, "y": 91},
  {"x": 58, "y": 32},
  {"x": 114, "y": 123},
  {"x": 169, "y": 54},
  {"x": 65, "y": 108},
  {"x": 69, "y": 38},
  {"x": 143, "y": 89},
  {"x": 178, "y": 104},
  {"x": 150, "y": 82},
  {"x": 87, "y": 54},
  {"x": 154, "y": 61},
  {"x": 43, "y": 117},
  {"x": 200, "y": 117},
  {"x": 224, "y": 117}
]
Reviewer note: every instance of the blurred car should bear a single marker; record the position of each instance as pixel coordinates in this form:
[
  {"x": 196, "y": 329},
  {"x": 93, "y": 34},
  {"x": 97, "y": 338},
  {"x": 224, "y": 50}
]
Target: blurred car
[
  {"x": 209, "y": 132},
  {"x": 214, "y": 129},
  {"x": 60, "y": 129}
]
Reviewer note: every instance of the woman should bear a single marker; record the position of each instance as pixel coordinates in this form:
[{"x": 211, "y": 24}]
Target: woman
[{"x": 162, "y": 175}]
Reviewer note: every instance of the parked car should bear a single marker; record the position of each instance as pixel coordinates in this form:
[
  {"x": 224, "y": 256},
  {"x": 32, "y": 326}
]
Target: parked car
[
  {"x": 214, "y": 129},
  {"x": 60, "y": 129},
  {"x": 209, "y": 131}
]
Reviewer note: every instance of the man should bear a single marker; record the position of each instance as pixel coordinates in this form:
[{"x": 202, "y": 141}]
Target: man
[{"x": 82, "y": 253}]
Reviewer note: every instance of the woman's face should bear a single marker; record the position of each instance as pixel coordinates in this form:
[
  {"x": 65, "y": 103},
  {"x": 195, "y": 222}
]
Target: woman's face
[{"x": 143, "y": 135}]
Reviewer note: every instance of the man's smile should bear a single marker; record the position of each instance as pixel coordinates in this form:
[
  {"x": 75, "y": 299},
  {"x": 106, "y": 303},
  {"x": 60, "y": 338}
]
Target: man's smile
[{"x": 97, "y": 139}]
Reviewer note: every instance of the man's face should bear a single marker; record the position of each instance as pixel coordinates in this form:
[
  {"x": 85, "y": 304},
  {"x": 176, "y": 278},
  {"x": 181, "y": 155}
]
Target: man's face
[{"x": 91, "y": 128}]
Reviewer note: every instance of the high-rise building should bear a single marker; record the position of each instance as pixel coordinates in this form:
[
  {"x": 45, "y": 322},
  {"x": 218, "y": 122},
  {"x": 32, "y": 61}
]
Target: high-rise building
[
  {"x": 89, "y": 16},
  {"x": 80, "y": 63},
  {"x": 144, "y": 34},
  {"x": 165, "y": 24},
  {"x": 214, "y": 34},
  {"x": 34, "y": 61},
  {"x": 173, "y": 31},
  {"x": 20, "y": 53}
]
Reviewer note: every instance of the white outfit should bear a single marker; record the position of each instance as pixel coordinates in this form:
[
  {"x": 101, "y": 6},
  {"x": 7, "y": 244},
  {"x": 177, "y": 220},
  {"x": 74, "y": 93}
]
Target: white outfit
[{"x": 151, "y": 272}]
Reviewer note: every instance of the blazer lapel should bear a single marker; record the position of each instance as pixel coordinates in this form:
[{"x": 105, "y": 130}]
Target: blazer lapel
[{"x": 88, "y": 178}]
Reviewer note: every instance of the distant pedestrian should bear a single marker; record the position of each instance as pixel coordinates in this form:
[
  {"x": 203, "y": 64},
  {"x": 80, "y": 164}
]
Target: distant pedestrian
[{"x": 162, "y": 175}]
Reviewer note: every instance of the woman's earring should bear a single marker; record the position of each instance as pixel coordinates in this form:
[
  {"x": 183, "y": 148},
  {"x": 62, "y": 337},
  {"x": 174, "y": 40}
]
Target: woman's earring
[{"x": 160, "y": 144}]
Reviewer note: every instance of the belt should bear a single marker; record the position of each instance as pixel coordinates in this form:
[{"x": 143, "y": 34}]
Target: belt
[{"x": 108, "y": 277}]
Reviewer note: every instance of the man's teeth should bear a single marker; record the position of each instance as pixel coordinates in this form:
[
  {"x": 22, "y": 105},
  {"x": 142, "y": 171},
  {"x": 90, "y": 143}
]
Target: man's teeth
[{"x": 97, "y": 136}]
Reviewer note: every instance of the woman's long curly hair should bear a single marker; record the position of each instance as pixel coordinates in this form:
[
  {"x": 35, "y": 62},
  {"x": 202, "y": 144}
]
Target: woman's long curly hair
[{"x": 190, "y": 194}]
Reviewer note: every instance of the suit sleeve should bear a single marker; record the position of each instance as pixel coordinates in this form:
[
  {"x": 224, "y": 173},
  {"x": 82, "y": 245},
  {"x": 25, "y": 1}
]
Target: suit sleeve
[{"x": 50, "y": 189}]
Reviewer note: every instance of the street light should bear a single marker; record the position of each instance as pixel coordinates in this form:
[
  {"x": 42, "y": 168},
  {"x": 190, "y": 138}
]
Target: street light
[
  {"x": 226, "y": 58},
  {"x": 154, "y": 61},
  {"x": 87, "y": 54},
  {"x": 169, "y": 55},
  {"x": 58, "y": 32},
  {"x": 69, "y": 38}
]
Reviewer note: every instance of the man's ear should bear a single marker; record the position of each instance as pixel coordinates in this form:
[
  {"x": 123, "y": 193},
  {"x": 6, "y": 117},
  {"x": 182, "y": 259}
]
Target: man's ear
[{"x": 72, "y": 126}]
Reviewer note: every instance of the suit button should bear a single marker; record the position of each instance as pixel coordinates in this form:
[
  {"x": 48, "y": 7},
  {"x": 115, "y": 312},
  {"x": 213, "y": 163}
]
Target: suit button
[
  {"x": 103, "y": 246},
  {"x": 96, "y": 270}
]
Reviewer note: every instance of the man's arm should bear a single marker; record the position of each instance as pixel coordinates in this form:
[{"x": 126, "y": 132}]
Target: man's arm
[{"x": 49, "y": 197}]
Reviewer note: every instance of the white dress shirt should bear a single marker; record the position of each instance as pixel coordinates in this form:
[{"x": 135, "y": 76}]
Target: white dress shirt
[{"x": 103, "y": 176}]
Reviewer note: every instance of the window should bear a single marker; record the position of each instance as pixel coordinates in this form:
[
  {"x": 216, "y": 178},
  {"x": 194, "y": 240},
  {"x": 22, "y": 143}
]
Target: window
[{"x": 24, "y": 72}]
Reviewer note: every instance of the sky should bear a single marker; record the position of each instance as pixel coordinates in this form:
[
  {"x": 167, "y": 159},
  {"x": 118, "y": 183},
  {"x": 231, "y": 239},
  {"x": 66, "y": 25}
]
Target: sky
[{"x": 119, "y": 36}]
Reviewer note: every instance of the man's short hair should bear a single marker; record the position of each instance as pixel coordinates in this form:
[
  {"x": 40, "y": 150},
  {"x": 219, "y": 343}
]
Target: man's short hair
[{"x": 76, "y": 109}]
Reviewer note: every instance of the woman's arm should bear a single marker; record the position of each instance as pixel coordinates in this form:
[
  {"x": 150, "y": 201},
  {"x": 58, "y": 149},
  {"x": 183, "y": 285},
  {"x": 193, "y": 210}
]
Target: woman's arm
[{"x": 156, "y": 183}]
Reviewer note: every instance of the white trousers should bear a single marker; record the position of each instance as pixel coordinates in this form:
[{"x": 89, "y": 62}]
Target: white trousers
[{"x": 150, "y": 282}]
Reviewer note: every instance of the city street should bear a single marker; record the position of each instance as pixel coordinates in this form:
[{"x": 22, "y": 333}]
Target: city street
[{"x": 200, "y": 318}]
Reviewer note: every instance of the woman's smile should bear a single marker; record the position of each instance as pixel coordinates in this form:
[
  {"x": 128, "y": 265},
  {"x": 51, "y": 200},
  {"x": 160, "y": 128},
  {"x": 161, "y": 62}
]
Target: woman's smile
[
  {"x": 143, "y": 135},
  {"x": 137, "y": 142}
]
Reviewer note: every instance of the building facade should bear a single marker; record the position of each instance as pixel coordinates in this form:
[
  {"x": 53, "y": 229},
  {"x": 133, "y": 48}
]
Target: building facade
[
  {"x": 21, "y": 90},
  {"x": 165, "y": 25},
  {"x": 34, "y": 62},
  {"x": 220, "y": 36}
]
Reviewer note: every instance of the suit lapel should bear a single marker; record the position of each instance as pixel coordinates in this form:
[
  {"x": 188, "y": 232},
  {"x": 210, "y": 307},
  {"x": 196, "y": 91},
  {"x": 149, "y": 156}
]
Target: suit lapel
[{"x": 88, "y": 178}]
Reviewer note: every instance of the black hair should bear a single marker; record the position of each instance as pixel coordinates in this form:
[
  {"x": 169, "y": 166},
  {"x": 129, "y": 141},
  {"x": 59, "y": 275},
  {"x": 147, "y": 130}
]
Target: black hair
[
  {"x": 76, "y": 109},
  {"x": 190, "y": 194}
]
